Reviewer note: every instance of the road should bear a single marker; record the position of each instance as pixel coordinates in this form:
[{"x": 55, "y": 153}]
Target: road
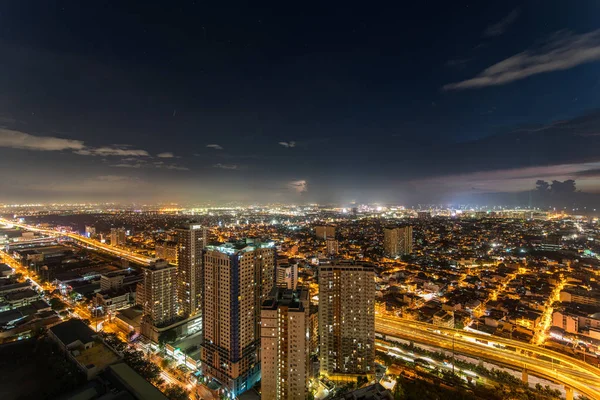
[
  {"x": 126, "y": 254},
  {"x": 559, "y": 368}
]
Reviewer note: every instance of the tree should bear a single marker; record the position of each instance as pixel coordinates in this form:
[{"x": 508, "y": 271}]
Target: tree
[
  {"x": 176, "y": 392},
  {"x": 147, "y": 369},
  {"x": 167, "y": 337},
  {"x": 57, "y": 304}
]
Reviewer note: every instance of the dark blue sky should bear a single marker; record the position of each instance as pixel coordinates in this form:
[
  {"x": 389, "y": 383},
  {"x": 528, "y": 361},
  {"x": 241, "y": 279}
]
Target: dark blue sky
[{"x": 345, "y": 101}]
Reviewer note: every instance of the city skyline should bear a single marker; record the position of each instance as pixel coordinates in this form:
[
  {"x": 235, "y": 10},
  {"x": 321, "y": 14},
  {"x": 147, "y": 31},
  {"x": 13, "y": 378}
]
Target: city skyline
[{"x": 471, "y": 103}]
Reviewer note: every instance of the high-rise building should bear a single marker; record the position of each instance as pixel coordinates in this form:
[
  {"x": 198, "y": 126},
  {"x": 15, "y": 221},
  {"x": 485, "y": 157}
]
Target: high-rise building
[
  {"x": 332, "y": 246},
  {"x": 237, "y": 278},
  {"x": 325, "y": 231},
  {"x": 189, "y": 268},
  {"x": 166, "y": 250},
  {"x": 287, "y": 274},
  {"x": 117, "y": 237},
  {"x": 346, "y": 318},
  {"x": 285, "y": 345},
  {"x": 90, "y": 231},
  {"x": 159, "y": 292},
  {"x": 397, "y": 241}
]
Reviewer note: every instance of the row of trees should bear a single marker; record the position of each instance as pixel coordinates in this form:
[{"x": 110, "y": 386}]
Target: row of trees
[{"x": 146, "y": 368}]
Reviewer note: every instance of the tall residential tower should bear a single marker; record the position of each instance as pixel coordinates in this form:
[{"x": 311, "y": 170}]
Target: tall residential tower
[
  {"x": 397, "y": 241},
  {"x": 346, "y": 318},
  {"x": 285, "y": 329},
  {"x": 237, "y": 278},
  {"x": 189, "y": 268}
]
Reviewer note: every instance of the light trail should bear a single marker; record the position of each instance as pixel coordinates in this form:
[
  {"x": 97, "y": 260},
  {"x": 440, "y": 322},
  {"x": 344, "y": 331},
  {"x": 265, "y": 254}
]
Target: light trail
[
  {"x": 128, "y": 255},
  {"x": 560, "y": 368}
]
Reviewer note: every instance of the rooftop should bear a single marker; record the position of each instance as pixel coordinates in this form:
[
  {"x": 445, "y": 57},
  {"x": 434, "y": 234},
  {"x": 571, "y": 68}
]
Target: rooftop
[
  {"x": 140, "y": 388},
  {"x": 73, "y": 330}
]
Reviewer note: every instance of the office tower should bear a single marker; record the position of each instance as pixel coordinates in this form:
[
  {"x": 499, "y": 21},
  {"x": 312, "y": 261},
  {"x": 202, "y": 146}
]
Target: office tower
[
  {"x": 117, "y": 237},
  {"x": 332, "y": 247},
  {"x": 285, "y": 345},
  {"x": 325, "y": 231},
  {"x": 237, "y": 278},
  {"x": 397, "y": 241},
  {"x": 166, "y": 250},
  {"x": 287, "y": 274},
  {"x": 189, "y": 268},
  {"x": 346, "y": 318},
  {"x": 90, "y": 231},
  {"x": 158, "y": 290}
]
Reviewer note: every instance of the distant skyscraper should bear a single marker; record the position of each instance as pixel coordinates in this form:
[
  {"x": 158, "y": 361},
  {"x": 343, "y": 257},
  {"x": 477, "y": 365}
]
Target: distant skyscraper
[
  {"x": 346, "y": 318},
  {"x": 237, "y": 278},
  {"x": 158, "y": 291},
  {"x": 166, "y": 250},
  {"x": 189, "y": 268},
  {"x": 117, "y": 237},
  {"x": 90, "y": 231},
  {"x": 325, "y": 231},
  {"x": 287, "y": 274},
  {"x": 332, "y": 247},
  {"x": 397, "y": 241},
  {"x": 284, "y": 346}
]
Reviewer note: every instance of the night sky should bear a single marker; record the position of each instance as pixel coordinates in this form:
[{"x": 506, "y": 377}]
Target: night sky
[{"x": 190, "y": 101}]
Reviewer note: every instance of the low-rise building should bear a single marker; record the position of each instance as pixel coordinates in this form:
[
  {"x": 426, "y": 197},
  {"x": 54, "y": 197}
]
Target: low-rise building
[{"x": 83, "y": 347}]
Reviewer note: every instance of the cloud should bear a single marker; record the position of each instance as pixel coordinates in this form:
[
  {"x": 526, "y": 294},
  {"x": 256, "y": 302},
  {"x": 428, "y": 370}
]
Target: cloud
[
  {"x": 288, "y": 144},
  {"x": 125, "y": 165},
  {"x": 112, "y": 151},
  {"x": 165, "y": 155},
  {"x": 139, "y": 163},
  {"x": 507, "y": 180},
  {"x": 298, "y": 186},
  {"x": 501, "y": 26},
  {"x": 215, "y": 146},
  {"x": 562, "y": 51},
  {"x": 226, "y": 166},
  {"x": 117, "y": 178},
  {"x": 21, "y": 140},
  {"x": 174, "y": 167}
]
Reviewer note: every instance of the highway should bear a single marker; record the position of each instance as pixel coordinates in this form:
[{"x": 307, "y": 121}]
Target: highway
[
  {"x": 538, "y": 361},
  {"x": 128, "y": 255}
]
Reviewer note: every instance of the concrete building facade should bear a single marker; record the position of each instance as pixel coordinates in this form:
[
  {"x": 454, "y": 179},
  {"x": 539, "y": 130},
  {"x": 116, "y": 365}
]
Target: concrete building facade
[
  {"x": 237, "y": 278},
  {"x": 285, "y": 345},
  {"x": 346, "y": 318}
]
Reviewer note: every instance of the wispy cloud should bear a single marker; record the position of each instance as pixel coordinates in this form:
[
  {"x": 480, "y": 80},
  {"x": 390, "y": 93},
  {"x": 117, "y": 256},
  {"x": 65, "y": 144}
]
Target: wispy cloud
[
  {"x": 562, "y": 51},
  {"x": 501, "y": 26},
  {"x": 226, "y": 166},
  {"x": 300, "y": 186},
  {"x": 112, "y": 151},
  {"x": 165, "y": 155},
  {"x": 215, "y": 146},
  {"x": 140, "y": 163},
  {"x": 174, "y": 167},
  {"x": 125, "y": 165},
  {"x": 117, "y": 178},
  {"x": 288, "y": 144},
  {"x": 22, "y": 140}
]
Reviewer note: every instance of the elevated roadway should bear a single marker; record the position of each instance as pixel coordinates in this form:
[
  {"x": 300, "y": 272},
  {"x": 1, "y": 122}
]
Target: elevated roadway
[
  {"x": 125, "y": 254},
  {"x": 531, "y": 359}
]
